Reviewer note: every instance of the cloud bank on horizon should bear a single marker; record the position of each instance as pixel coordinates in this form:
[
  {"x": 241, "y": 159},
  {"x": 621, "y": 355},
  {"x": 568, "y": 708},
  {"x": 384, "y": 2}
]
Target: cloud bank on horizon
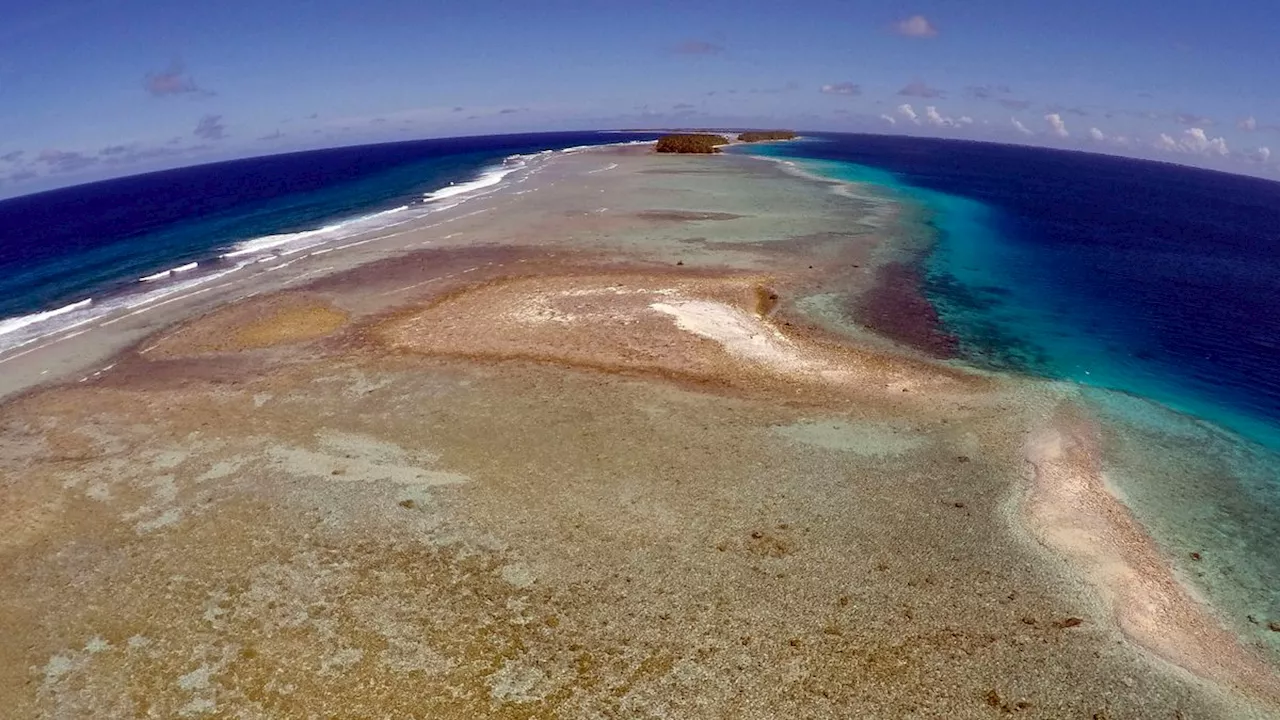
[{"x": 86, "y": 91}]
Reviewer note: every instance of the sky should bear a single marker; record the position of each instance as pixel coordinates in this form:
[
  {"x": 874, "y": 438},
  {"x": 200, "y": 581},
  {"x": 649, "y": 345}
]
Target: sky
[{"x": 91, "y": 89}]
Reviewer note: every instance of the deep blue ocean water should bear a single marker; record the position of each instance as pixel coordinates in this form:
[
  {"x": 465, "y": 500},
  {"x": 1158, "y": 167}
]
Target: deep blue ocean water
[
  {"x": 1154, "y": 279},
  {"x": 96, "y": 241}
]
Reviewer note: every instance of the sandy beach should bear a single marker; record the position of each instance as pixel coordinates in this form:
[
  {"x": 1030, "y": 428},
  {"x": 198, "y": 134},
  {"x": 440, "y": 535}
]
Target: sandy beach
[{"x": 635, "y": 436}]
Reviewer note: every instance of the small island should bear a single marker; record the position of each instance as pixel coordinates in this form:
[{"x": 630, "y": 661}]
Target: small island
[
  {"x": 766, "y": 135},
  {"x": 691, "y": 143},
  {"x": 706, "y": 142}
]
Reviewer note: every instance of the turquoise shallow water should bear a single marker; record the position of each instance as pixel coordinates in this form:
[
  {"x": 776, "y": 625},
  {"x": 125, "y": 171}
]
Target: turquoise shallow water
[
  {"x": 1020, "y": 300},
  {"x": 1165, "y": 320}
]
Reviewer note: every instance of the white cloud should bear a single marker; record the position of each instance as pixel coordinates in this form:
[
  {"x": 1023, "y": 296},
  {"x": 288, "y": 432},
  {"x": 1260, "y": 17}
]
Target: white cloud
[
  {"x": 1057, "y": 127},
  {"x": 930, "y": 117},
  {"x": 917, "y": 26},
  {"x": 1017, "y": 125},
  {"x": 1250, "y": 123},
  {"x": 1194, "y": 141},
  {"x": 935, "y": 119},
  {"x": 1096, "y": 134},
  {"x": 1262, "y": 154},
  {"x": 889, "y": 119}
]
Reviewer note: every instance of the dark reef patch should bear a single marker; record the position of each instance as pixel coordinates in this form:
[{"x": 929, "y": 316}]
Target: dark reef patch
[{"x": 897, "y": 308}]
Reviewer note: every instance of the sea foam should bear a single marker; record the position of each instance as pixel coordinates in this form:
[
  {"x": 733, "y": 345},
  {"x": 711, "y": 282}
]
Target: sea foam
[
  {"x": 488, "y": 178},
  {"x": 269, "y": 246},
  {"x": 169, "y": 273},
  {"x": 25, "y": 330},
  {"x": 288, "y": 243},
  {"x": 14, "y": 324}
]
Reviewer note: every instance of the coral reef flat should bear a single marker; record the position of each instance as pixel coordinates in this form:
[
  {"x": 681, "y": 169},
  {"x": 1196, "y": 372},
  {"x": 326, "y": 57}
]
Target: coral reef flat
[{"x": 621, "y": 441}]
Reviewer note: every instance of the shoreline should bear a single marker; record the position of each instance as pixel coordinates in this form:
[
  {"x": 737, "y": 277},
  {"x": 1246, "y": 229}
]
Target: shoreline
[
  {"x": 112, "y": 298},
  {"x": 1208, "y": 646},
  {"x": 895, "y": 307},
  {"x": 1071, "y": 509},
  {"x": 586, "y": 305},
  {"x": 69, "y": 353}
]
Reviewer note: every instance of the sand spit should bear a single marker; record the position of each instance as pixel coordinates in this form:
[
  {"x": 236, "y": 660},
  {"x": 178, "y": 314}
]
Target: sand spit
[{"x": 1073, "y": 512}]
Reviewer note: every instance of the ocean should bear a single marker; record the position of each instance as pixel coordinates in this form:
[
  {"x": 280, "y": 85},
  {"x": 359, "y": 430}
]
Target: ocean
[
  {"x": 1157, "y": 280},
  {"x": 1153, "y": 288},
  {"x": 70, "y": 256}
]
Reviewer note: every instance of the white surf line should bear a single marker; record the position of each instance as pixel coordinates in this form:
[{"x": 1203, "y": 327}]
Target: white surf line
[
  {"x": 41, "y": 347},
  {"x": 59, "y": 331},
  {"x": 153, "y": 306}
]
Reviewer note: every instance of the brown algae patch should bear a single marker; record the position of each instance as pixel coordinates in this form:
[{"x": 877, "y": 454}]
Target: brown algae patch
[
  {"x": 290, "y": 325},
  {"x": 283, "y": 319}
]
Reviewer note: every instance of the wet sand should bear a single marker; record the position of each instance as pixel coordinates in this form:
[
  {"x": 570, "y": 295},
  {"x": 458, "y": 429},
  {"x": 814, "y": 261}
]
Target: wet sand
[{"x": 613, "y": 443}]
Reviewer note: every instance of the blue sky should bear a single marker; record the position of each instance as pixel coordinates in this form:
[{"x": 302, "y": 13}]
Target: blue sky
[{"x": 98, "y": 88}]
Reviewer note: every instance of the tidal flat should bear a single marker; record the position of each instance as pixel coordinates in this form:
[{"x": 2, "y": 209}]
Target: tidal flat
[{"x": 637, "y": 437}]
